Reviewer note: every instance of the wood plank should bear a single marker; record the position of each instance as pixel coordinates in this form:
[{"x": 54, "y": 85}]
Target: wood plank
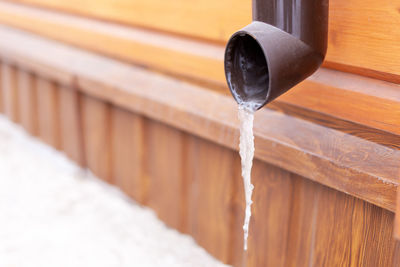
[
  {"x": 128, "y": 153},
  {"x": 302, "y": 221},
  {"x": 271, "y": 215},
  {"x": 377, "y": 227},
  {"x": 238, "y": 206},
  {"x": 357, "y": 38},
  {"x": 210, "y": 192},
  {"x": 27, "y": 102},
  {"x": 355, "y": 29},
  {"x": 396, "y": 255},
  {"x": 10, "y": 92},
  {"x": 333, "y": 220},
  {"x": 204, "y": 19},
  {"x": 48, "y": 112},
  {"x": 71, "y": 124},
  {"x": 1, "y": 88},
  {"x": 171, "y": 54},
  {"x": 96, "y": 132},
  {"x": 345, "y": 104},
  {"x": 396, "y": 230},
  {"x": 165, "y": 171}
]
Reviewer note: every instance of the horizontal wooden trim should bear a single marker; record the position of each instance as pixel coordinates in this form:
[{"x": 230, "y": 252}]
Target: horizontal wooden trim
[
  {"x": 357, "y": 42},
  {"x": 163, "y": 52},
  {"x": 204, "y": 19},
  {"x": 345, "y": 162}
]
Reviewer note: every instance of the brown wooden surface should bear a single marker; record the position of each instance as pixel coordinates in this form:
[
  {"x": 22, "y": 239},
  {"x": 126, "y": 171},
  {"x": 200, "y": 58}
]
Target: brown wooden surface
[
  {"x": 96, "y": 122},
  {"x": 71, "y": 124},
  {"x": 27, "y": 102},
  {"x": 327, "y": 92},
  {"x": 10, "y": 91},
  {"x": 128, "y": 153},
  {"x": 155, "y": 138},
  {"x": 1, "y": 87},
  {"x": 357, "y": 42},
  {"x": 300, "y": 223},
  {"x": 210, "y": 189},
  {"x": 204, "y": 19},
  {"x": 363, "y": 35},
  {"x": 194, "y": 184},
  {"x": 346, "y": 162},
  {"x": 48, "y": 112},
  {"x": 271, "y": 216},
  {"x": 165, "y": 171},
  {"x": 171, "y": 54},
  {"x": 396, "y": 230}
]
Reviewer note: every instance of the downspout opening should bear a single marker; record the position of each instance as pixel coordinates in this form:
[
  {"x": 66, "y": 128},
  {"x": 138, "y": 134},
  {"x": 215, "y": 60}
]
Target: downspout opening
[{"x": 246, "y": 70}]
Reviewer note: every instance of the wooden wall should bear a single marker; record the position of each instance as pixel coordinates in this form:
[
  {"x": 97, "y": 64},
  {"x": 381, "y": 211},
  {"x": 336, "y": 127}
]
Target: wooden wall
[
  {"x": 194, "y": 185},
  {"x": 315, "y": 202},
  {"x": 364, "y": 36},
  {"x": 163, "y": 130}
]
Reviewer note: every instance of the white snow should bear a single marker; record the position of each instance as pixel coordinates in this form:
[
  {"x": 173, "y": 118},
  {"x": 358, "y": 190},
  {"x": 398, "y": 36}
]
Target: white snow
[{"x": 53, "y": 213}]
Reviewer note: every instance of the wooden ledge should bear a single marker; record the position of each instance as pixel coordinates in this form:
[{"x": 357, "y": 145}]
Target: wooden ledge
[{"x": 348, "y": 163}]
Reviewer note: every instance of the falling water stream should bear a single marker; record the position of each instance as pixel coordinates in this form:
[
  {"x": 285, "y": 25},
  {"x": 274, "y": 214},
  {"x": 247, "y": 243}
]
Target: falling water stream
[
  {"x": 246, "y": 151},
  {"x": 248, "y": 78}
]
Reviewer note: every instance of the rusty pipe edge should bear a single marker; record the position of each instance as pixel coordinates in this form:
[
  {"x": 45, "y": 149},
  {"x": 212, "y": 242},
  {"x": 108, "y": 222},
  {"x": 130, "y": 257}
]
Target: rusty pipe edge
[{"x": 285, "y": 43}]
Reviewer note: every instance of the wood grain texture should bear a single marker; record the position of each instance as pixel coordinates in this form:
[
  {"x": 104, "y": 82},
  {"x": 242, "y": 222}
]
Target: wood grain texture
[
  {"x": 165, "y": 170},
  {"x": 204, "y": 19},
  {"x": 10, "y": 92},
  {"x": 277, "y": 138},
  {"x": 350, "y": 226},
  {"x": 210, "y": 192},
  {"x": 27, "y": 102},
  {"x": 343, "y": 104},
  {"x": 271, "y": 216},
  {"x": 355, "y": 30},
  {"x": 237, "y": 207},
  {"x": 1, "y": 88},
  {"x": 128, "y": 153},
  {"x": 365, "y": 34},
  {"x": 96, "y": 121},
  {"x": 396, "y": 230},
  {"x": 194, "y": 184},
  {"x": 163, "y": 52},
  {"x": 349, "y": 163},
  {"x": 71, "y": 124},
  {"x": 48, "y": 112},
  {"x": 312, "y": 225},
  {"x": 303, "y": 217},
  {"x": 326, "y": 92}
]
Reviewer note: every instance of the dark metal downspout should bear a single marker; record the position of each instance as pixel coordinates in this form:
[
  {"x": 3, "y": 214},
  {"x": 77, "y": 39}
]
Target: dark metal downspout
[{"x": 285, "y": 43}]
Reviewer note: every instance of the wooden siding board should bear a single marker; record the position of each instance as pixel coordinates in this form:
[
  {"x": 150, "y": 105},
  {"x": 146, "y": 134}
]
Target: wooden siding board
[
  {"x": 165, "y": 160},
  {"x": 10, "y": 92},
  {"x": 71, "y": 124},
  {"x": 27, "y": 102},
  {"x": 128, "y": 153},
  {"x": 48, "y": 112},
  {"x": 210, "y": 190},
  {"x": 96, "y": 131}
]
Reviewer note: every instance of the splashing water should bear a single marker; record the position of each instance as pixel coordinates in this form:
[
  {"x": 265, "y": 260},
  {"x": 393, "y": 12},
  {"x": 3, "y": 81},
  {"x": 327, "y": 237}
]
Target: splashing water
[{"x": 246, "y": 151}]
